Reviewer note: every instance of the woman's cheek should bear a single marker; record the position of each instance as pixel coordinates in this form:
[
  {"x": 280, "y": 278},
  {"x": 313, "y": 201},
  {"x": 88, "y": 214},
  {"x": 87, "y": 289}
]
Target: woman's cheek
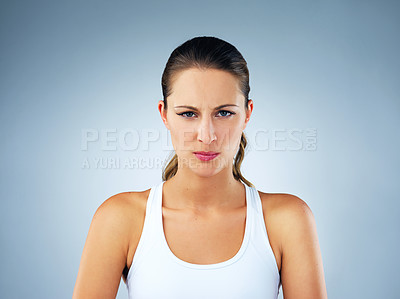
[
  {"x": 235, "y": 141},
  {"x": 182, "y": 139}
]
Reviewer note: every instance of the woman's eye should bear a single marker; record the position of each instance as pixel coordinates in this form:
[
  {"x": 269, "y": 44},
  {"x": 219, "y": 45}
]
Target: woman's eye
[
  {"x": 225, "y": 113},
  {"x": 185, "y": 114}
]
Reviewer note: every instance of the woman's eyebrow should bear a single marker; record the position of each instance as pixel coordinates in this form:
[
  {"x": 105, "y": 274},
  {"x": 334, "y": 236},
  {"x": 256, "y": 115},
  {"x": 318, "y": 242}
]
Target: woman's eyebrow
[{"x": 216, "y": 108}]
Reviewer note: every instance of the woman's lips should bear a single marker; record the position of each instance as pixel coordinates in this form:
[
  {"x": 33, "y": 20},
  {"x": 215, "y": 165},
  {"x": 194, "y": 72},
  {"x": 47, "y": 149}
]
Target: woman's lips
[{"x": 206, "y": 156}]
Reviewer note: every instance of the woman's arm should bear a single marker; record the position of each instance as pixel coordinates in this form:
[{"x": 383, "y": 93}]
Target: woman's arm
[
  {"x": 302, "y": 271},
  {"x": 105, "y": 252}
]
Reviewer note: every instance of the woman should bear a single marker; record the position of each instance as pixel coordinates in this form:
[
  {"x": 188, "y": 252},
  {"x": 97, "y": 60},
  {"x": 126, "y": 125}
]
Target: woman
[{"x": 204, "y": 231}]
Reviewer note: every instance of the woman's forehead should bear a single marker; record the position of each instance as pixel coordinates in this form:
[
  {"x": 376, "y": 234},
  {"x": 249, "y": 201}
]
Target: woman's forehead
[
  {"x": 204, "y": 77},
  {"x": 208, "y": 87}
]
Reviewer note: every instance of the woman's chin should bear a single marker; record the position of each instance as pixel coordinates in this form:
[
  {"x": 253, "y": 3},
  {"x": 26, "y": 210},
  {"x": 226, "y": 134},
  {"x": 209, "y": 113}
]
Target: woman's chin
[{"x": 204, "y": 168}]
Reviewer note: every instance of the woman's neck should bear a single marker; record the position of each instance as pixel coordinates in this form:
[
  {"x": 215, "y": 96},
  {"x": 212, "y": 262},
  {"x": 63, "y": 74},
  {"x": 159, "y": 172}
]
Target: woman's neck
[{"x": 191, "y": 191}]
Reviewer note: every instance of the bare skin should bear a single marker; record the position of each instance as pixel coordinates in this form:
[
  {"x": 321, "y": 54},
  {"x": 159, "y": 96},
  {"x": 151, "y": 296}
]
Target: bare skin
[{"x": 206, "y": 225}]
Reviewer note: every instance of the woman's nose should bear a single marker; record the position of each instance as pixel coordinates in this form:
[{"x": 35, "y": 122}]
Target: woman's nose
[{"x": 206, "y": 132}]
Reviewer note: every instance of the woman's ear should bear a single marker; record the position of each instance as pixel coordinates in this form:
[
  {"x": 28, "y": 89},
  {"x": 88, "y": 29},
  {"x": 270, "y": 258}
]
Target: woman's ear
[
  {"x": 163, "y": 113},
  {"x": 248, "y": 112}
]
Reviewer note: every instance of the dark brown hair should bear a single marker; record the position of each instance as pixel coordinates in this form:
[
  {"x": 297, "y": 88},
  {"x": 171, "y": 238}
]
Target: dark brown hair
[{"x": 206, "y": 52}]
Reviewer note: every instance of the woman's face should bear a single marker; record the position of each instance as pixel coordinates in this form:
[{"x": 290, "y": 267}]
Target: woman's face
[{"x": 206, "y": 113}]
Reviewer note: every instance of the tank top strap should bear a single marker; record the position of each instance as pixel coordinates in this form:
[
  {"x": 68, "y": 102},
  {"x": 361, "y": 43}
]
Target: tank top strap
[
  {"x": 151, "y": 206},
  {"x": 149, "y": 227},
  {"x": 252, "y": 213},
  {"x": 157, "y": 218},
  {"x": 260, "y": 236},
  {"x": 255, "y": 199},
  {"x": 258, "y": 217}
]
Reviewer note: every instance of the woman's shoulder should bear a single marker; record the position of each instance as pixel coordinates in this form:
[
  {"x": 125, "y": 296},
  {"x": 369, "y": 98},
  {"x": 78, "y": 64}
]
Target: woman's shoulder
[
  {"x": 280, "y": 204},
  {"x": 125, "y": 213},
  {"x": 129, "y": 204},
  {"x": 284, "y": 210},
  {"x": 122, "y": 213},
  {"x": 285, "y": 215}
]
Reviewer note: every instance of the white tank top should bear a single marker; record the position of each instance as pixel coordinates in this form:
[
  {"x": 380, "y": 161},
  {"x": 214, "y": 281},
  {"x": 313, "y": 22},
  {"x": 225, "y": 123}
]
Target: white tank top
[{"x": 157, "y": 273}]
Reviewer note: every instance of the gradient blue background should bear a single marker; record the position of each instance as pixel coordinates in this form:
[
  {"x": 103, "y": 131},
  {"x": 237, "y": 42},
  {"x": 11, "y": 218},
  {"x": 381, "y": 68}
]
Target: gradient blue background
[{"x": 67, "y": 66}]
